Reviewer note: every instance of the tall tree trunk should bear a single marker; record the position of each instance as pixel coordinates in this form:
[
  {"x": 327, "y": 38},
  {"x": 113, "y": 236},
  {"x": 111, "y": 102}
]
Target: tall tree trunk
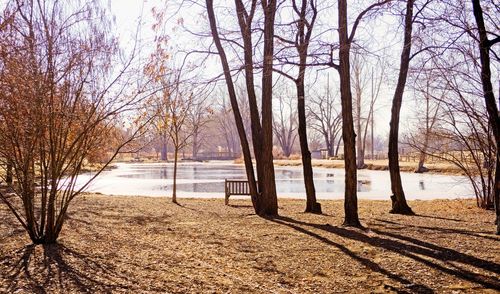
[
  {"x": 360, "y": 158},
  {"x": 496, "y": 191},
  {"x": 399, "y": 204},
  {"x": 269, "y": 197},
  {"x": 174, "y": 187},
  {"x": 311, "y": 203},
  {"x": 245, "y": 148},
  {"x": 421, "y": 161},
  {"x": 489, "y": 97},
  {"x": 423, "y": 154},
  {"x": 348, "y": 135},
  {"x": 338, "y": 146},
  {"x": 330, "y": 145},
  {"x": 302, "y": 45},
  {"x": 372, "y": 122},
  {"x": 164, "y": 153},
  {"x": 195, "y": 145}
]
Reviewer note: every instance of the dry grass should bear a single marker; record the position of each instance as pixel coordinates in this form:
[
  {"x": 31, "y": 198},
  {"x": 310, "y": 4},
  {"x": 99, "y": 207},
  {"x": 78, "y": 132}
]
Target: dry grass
[
  {"x": 441, "y": 167},
  {"x": 141, "y": 245}
]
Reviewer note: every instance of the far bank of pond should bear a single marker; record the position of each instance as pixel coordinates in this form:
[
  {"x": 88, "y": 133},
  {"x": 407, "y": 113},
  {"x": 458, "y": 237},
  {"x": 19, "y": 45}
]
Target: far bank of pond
[{"x": 380, "y": 164}]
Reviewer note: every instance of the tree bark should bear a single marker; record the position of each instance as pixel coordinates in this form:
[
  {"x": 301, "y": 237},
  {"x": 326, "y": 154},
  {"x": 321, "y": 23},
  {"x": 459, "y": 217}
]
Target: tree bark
[
  {"x": 348, "y": 135},
  {"x": 489, "y": 97},
  {"x": 398, "y": 199},
  {"x": 195, "y": 145},
  {"x": 9, "y": 176},
  {"x": 312, "y": 205},
  {"x": 421, "y": 160},
  {"x": 164, "y": 153},
  {"x": 360, "y": 158},
  {"x": 302, "y": 45},
  {"x": 174, "y": 187},
  {"x": 496, "y": 191},
  {"x": 269, "y": 197}
]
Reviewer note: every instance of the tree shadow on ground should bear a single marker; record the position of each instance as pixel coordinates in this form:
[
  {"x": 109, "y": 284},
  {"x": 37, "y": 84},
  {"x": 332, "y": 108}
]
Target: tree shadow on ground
[
  {"x": 442, "y": 230},
  {"x": 240, "y": 206},
  {"x": 12, "y": 226},
  {"x": 426, "y": 253},
  {"x": 439, "y": 217},
  {"x": 58, "y": 268},
  {"x": 409, "y": 286}
]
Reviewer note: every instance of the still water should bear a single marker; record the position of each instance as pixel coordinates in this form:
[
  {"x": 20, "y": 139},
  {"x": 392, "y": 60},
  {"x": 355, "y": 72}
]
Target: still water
[{"x": 206, "y": 180}]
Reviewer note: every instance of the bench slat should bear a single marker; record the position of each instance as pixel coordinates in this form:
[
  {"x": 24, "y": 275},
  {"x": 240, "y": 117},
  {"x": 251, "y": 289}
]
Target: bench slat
[{"x": 236, "y": 187}]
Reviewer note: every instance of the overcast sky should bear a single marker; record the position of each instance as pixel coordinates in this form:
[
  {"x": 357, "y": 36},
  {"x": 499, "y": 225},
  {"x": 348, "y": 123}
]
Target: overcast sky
[{"x": 128, "y": 13}]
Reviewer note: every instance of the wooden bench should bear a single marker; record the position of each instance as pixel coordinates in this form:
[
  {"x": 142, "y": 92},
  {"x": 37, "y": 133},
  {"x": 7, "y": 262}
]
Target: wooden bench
[{"x": 236, "y": 188}]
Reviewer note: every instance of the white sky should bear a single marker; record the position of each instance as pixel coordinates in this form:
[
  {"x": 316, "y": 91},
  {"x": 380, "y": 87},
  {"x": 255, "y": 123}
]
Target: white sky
[{"x": 128, "y": 12}]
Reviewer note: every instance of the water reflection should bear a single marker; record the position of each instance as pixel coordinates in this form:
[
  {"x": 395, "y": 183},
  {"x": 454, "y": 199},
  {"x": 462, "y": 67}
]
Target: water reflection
[
  {"x": 421, "y": 185},
  {"x": 364, "y": 186}
]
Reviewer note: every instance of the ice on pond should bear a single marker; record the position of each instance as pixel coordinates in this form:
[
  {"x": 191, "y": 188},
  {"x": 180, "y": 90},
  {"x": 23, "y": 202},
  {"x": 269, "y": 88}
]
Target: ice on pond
[{"x": 206, "y": 180}]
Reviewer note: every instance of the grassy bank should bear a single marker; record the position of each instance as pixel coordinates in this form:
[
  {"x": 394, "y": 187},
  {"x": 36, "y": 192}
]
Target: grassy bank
[
  {"x": 438, "y": 168},
  {"x": 149, "y": 245}
]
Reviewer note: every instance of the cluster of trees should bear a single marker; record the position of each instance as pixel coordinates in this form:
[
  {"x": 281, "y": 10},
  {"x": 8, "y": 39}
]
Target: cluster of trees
[
  {"x": 294, "y": 37},
  {"x": 68, "y": 91}
]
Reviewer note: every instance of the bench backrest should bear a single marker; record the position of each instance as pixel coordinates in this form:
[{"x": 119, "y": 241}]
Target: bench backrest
[{"x": 237, "y": 187}]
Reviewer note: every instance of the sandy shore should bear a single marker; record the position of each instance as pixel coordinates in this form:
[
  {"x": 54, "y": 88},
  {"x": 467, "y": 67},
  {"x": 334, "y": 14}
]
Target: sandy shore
[{"x": 149, "y": 245}]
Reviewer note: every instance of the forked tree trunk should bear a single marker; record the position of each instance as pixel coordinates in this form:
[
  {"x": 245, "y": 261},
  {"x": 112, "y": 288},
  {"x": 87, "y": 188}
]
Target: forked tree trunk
[
  {"x": 398, "y": 199},
  {"x": 348, "y": 135},
  {"x": 489, "y": 97}
]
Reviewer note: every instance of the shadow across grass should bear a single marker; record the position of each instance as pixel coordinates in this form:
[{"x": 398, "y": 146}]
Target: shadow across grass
[
  {"x": 62, "y": 269},
  {"x": 438, "y": 217},
  {"x": 408, "y": 286},
  {"x": 426, "y": 253},
  {"x": 441, "y": 230}
]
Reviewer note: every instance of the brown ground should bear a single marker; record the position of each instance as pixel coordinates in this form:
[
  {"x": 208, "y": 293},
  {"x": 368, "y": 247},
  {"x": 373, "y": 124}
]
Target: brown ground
[
  {"x": 140, "y": 244},
  {"x": 382, "y": 164}
]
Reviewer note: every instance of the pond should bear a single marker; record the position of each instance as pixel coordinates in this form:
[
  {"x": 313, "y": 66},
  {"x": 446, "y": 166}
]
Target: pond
[{"x": 206, "y": 180}]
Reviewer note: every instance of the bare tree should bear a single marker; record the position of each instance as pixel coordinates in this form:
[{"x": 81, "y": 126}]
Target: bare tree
[
  {"x": 432, "y": 97},
  {"x": 199, "y": 116},
  {"x": 398, "y": 198},
  {"x": 348, "y": 134},
  {"x": 326, "y": 119},
  {"x": 364, "y": 118},
  {"x": 305, "y": 13},
  {"x": 285, "y": 124},
  {"x": 461, "y": 135},
  {"x": 59, "y": 101},
  {"x": 226, "y": 126},
  {"x": 176, "y": 103}
]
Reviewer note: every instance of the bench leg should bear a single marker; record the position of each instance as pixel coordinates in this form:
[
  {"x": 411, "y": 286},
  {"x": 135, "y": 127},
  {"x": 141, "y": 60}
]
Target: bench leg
[{"x": 226, "y": 200}]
